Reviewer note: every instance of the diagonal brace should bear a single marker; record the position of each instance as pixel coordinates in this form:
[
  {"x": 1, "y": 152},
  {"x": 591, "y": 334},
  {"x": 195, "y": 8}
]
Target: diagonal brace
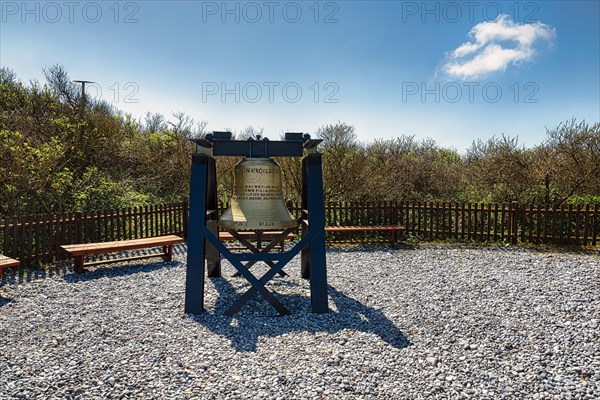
[
  {"x": 265, "y": 249},
  {"x": 255, "y": 250},
  {"x": 258, "y": 285},
  {"x": 270, "y": 274}
]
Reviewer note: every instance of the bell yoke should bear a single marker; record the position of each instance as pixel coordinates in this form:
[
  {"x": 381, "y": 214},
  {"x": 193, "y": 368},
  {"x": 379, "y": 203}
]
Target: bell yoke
[{"x": 257, "y": 204}]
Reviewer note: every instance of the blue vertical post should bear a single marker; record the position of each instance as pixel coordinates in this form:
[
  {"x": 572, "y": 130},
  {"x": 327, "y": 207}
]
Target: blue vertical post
[
  {"x": 304, "y": 255},
  {"x": 194, "y": 279},
  {"x": 316, "y": 225},
  {"x": 213, "y": 259}
]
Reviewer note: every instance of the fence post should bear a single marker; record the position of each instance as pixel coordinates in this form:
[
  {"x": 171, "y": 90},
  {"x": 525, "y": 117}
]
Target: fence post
[
  {"x": 78, "y": 230},
  {"x": 514, "y": 226},
  {"x": 595, "y": 223},
  {"x": 184, "y": 210},
  {"x": 400, "y": 213},
  {"x": 510, "y": 222},
  {"x": 586, "y": 223},
  {"x": 5, "y": 236}
]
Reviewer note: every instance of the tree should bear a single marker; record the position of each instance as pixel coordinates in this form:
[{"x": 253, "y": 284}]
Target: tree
[
  {"x": 53, "y": 160},
  {"x": 154, "y": 122},
  {"x": 183, "y": 124},
  {"x": 59, "y": 81},
  {"x": 501, "y": 167},
  {"x": 343, "y": 161},
  {"x": 574, "y": 150},
  {"x": 249, "y": 132},
  {"x": 200, "y": 130}
]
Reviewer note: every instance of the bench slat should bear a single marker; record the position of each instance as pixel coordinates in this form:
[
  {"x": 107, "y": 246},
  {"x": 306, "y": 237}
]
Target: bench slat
[
  {"x": 251, "y": 235},
  {"x": 121, "y": 245},
  {"x": 79, "y": 251},
  {"x": 364, "y": 228},
  {"x": 6, "y": 262}
]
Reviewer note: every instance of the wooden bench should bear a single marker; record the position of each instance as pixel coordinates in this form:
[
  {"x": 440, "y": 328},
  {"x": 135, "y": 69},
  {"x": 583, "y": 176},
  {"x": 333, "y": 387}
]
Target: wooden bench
[
  {"x": 265, "y": 237},
  {"x": 79, "y": 251},
  {"x": 7, "y": 262},
  {"x": 394, "y": 230}
]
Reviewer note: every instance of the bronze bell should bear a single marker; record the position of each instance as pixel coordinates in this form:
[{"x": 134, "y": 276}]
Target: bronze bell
[{"x": 257, "y": 201}]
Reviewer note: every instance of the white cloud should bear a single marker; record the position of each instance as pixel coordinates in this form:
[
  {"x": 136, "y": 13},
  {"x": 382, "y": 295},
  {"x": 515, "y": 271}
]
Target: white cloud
[{"x": 485, "y": 53}]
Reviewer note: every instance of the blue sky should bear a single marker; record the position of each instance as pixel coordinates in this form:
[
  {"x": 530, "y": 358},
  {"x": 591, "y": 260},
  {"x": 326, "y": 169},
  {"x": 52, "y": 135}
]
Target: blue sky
[{"x": 451, "y": 71}]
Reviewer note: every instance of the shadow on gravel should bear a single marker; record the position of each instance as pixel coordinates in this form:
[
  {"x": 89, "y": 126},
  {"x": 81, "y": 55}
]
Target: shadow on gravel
[
  {"x": 258, "y": 319},
  {"x": 115, "y": 270},
  {"x": 4, "y": 301},
  {"x": 64, "y": 268},
  {"x": 369, "y": 249},
  {"x": 22, "y": 275}
]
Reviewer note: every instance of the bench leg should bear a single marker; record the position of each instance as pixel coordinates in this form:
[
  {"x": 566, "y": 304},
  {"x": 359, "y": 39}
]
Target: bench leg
[
  {"x": 79, "y": 264},
  {"x": 168, "y": 250},
  {"x": 1, "y": 273},
  {"x": 393, "y": 238}
]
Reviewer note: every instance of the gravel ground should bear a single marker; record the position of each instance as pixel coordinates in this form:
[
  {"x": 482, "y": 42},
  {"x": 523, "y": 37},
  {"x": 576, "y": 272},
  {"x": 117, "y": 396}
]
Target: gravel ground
[{"x": 435, "y": 322}]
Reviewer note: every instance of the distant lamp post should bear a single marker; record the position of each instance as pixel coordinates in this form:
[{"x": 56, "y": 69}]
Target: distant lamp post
[
  {"x": 83, "y": 98},
  {"x": 82, "y": 104}
]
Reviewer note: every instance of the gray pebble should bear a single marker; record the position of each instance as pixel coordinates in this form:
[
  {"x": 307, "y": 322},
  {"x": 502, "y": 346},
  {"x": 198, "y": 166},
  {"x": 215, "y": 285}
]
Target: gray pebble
[{"x": 432, "y": 322}]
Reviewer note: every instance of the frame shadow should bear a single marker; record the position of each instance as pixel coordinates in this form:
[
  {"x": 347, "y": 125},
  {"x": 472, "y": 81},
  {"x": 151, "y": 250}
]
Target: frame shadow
[{"x": 248, "y": 325}]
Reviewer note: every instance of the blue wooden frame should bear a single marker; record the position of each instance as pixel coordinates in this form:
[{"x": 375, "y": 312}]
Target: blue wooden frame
[{"x": 203, "y": 199}]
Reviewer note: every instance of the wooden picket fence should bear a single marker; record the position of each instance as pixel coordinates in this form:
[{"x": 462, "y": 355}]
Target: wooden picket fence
[
  {"x": 36, "y": 239},
  {"x": 511, "y": 223}
]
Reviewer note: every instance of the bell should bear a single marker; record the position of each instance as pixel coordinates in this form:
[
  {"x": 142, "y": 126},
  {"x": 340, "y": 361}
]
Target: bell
[{"x": 257, "y": 201}]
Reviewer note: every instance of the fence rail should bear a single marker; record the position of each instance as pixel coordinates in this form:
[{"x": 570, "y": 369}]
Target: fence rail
[{"x": 36, "y": 239}]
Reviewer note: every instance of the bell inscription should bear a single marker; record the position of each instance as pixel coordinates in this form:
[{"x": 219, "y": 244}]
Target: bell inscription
[{"x": 257, "y": 201}]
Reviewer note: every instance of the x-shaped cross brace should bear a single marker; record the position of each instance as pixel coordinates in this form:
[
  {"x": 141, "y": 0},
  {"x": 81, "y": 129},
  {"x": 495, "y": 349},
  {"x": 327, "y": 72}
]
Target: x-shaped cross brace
[
  {"x": 256, "y": 249},
  {"x": 257, "y": 284}
]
